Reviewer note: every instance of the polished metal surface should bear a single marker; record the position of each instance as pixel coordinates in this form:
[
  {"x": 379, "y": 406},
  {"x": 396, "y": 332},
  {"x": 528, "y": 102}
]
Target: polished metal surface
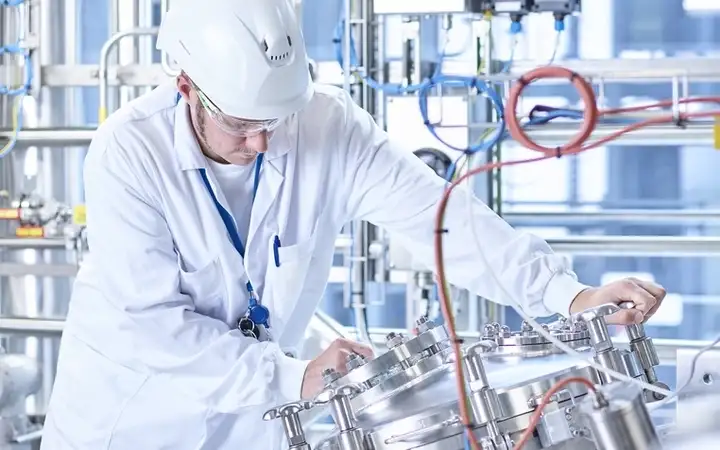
[{"x": 621, "y": 421}]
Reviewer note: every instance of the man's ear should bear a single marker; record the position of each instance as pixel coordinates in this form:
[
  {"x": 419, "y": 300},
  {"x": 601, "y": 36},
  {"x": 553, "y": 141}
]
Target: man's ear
[{"x": 183, "y": 86}]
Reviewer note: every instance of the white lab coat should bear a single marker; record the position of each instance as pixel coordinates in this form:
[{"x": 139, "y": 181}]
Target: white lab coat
[{"x": 150, "y": 357}]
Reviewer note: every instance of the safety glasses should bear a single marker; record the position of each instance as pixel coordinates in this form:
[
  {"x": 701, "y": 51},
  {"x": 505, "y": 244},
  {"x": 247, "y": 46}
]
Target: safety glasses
[{"x": 234, "y": 125}]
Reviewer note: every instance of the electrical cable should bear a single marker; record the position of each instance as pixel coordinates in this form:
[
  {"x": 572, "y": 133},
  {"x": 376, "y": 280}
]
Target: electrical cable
[
  {"x": 19, "y": 92},
  {"x": 693, "y": 366},
  {"x": 559, "y": 28},
  {"x": 388, "y": 88},
  {"x": 472, "y": 83}
]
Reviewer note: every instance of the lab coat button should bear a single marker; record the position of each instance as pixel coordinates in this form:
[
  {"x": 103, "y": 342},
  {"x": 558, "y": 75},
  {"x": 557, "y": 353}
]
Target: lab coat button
[{"x": 290, "y": 354}]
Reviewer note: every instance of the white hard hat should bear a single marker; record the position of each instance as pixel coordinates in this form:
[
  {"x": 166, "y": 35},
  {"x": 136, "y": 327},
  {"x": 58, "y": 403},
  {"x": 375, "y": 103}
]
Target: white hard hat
[{"x": 247, "y": 56}]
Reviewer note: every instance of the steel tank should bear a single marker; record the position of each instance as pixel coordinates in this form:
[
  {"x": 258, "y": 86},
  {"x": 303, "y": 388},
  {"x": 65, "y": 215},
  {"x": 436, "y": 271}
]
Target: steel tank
[
  {"x": 407, "y": 398},
  {"x": 409, "y": 395}
]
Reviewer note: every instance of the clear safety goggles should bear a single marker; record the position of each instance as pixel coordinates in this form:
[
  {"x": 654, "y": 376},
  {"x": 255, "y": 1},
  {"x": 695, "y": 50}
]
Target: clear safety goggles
[{"x": 234, "y": 125}]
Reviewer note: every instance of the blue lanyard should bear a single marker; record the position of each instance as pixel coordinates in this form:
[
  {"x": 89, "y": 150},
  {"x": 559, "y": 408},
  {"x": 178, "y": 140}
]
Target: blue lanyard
[{"x": 256, "y": 312}]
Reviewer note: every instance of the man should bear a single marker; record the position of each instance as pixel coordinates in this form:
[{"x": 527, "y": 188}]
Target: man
[{"x": 214, "y": 202}]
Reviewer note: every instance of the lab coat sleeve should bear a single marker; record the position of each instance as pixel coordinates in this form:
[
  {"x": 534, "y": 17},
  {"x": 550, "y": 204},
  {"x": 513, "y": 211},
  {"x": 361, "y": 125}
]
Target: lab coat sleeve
[
  {"x": 132, "y": 253},
  {"x": 391, "y": 188}
]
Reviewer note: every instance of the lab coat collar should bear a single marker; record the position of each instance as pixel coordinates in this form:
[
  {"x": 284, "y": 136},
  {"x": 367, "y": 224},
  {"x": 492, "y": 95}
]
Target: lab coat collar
[{"x": 188, "y": 151}]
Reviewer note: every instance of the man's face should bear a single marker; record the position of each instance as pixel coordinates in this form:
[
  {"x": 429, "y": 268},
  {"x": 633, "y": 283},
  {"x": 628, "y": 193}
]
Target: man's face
[{"x": 224, "y": 138}]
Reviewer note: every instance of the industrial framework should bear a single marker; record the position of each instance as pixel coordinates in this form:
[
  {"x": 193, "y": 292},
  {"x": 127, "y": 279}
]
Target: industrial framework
[{"x": 408, "y": 396}]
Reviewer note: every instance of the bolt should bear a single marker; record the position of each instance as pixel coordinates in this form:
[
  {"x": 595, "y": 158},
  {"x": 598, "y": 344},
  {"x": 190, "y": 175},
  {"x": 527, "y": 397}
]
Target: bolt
[
  {"x": 505, "y": 331},
  {"x": 330, "y": 375},
  {"x": 489, "y": 331},
  {"x": 525, "y": 328},
  {"x": 424, "y": 324},
  {"x": 354, "y": 361},
  {"x": 393, "y": 340}
]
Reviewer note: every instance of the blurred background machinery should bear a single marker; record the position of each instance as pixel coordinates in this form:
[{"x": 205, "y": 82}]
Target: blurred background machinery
[{"x": 644, "y": 206}]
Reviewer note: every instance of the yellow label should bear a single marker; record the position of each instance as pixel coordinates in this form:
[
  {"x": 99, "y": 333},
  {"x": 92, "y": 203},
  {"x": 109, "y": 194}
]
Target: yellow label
[
  {"x": 716, "y": 133},
  {"x": 79, "y": 217},
  {"x": 29, "y": 232},
  {"x": 9, "y": 213}
]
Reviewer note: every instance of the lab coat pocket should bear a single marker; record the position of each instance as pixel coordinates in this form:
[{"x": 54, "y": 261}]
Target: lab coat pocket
[
  {"x": 91, "y": 394},
  {"x": 287, "y": 269},
  {"x": 206, "y": 286}
]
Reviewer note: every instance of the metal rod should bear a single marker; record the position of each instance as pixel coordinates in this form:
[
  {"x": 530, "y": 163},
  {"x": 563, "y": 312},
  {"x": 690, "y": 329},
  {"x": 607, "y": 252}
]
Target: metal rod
[
  {"x": 68, "y": 137},
  {"x": 104, "y": 61},
  {"x": 698, "y": 133},
  {"x": 31, "y": 326},
  {"x": 48, "y": 270},
  {"x": 620, "y": 215},
  {"x": 637, "y": 245},
  {"x": 31, "y": 243},
  {"x": 695, "y": 133}
]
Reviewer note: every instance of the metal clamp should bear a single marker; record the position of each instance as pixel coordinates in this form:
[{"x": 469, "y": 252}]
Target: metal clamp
[
  {"x": 289, "y": 413},
  {"x": 595, "y": 320},
  {"x": 605, "y": 352},
  {"x": 644, "y": 349},
  {"x": 338, "y": 398}
]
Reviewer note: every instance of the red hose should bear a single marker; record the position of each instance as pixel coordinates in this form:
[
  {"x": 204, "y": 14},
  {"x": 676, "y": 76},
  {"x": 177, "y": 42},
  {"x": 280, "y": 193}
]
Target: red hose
[{"x": 576, "y": 145}]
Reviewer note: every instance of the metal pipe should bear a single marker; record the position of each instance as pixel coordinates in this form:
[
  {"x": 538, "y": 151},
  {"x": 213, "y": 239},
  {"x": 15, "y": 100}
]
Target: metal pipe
[
  {"x": 30, "y": 243},
  {"x": 614, "y": 215},
  {"x": 331, "y": 325},
  {"x": 615, "y": 245},
  {"x": 695, "y": 133},
  {"x": 67, "y": 137},
  {"x": 107, "y": 47},
  {"x": 28, "y": 437},
  {"x": 31, "y": 326},
  {"x": 698, "y": 133},
  {"x": 637, "y": 245}
]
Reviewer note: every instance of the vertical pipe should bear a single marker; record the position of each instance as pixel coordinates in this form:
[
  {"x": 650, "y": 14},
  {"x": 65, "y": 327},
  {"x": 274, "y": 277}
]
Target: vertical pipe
[
  {"x": 145, "y": 43},
  {"x": 496, "y": 311}
]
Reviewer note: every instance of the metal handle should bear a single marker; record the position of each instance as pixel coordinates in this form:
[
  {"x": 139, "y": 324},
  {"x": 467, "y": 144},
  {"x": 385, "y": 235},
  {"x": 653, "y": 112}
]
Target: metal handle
[
  {"x": 483, "y": 346},
  {"x": 287, "y": 410},
  {"x": 292, "y": 426},
  {"x": 339, "y": 400},
  {"x": 635, "y": 331},
  {"x": 597, "y": 312},
  {"x": 595, "y": 320},
  {"x": 332, "y": 393}
]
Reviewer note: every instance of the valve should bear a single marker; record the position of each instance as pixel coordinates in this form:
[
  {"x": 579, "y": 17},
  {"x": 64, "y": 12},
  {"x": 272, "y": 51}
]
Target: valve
[
  {"x": 289, "y": 414},
  {"x": 643, "y": 347},
  {"x": 605, "y": 353},
  {"x": 350, "y": 437},
  {"x": 484, "y": 399}
]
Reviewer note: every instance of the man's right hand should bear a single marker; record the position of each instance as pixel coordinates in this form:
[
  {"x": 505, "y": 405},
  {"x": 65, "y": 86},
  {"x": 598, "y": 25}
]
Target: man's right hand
[{"x": 334, "y": 357}]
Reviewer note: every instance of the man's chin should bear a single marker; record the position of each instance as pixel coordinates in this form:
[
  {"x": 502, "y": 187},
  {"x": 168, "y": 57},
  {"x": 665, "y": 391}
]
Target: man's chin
[{"x": 241, "y": 158}]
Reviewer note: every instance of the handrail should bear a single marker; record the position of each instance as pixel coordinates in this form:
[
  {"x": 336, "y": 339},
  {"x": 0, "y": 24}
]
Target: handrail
[{"x": 104, "y": 62}]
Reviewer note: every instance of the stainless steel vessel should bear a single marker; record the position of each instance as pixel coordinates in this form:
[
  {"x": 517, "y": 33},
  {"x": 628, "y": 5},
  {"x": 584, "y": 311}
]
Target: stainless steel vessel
[{"x": 407, "y": 398}]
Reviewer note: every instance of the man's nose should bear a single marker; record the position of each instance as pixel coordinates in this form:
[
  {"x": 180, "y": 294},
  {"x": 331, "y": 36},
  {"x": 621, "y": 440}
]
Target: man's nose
[{"x": 257, "y": 142}]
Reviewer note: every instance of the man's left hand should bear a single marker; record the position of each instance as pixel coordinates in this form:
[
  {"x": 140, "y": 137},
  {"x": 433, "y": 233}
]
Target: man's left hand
[{"x": 646, "y": 296}]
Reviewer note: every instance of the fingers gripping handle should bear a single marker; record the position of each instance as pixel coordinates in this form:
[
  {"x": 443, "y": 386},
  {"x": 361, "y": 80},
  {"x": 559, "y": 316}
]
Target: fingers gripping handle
[
  {"x": 289, "y": 414},
  {"x": 595, "y": 320}
]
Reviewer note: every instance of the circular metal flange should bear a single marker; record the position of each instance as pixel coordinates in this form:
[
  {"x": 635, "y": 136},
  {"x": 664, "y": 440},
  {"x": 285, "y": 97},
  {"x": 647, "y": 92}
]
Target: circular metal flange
[{"x": 411, "y": 351}]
